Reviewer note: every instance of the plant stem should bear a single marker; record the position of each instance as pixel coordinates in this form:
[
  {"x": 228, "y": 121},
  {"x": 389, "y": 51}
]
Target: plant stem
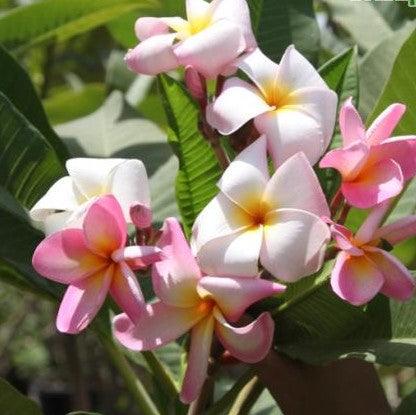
[
  {"x": 247, "y": 397},
  {"x": 336, "y": 202},
  {"x": 133, "y": 384},
  {"x": 344, "y": 214}
]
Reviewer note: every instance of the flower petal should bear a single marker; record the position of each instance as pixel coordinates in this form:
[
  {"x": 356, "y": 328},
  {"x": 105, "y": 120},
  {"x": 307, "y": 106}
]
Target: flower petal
[
  {"x": 348, "y": 161},
  {"x": 159, "y": 324},
  {"x": 146, "y": 27},
  {"x": 295, "y": 72},
  {"x": 356, "y": 279},
  {"x": 197, "y": 9},
  {"x": 290, "y": 131},
  {"x": 126, "y": 292},
  {"x": 374, "y": 185},
  {"x": 294, "y": 244},
  {"x": 129, "y": 185},
  {"x": 55, "y": 222},
  {"x": 398, "y": 281},
  {"x": 222, "y": 114},
  {"x": 246, "y": 177},
  {"x": 398, "y": 231},
  {"x": 285, "y": 190},
  {"x": 82, "y": 301},
  {"x": 198, "y": 358},
  {"x": 153, "y": 56},
  {"x": 175, "y": 278},
  {"x": 65, "y": 258},
  {"x": 234, "y": 295},
  {"x": 250, "y": 343},
  {"x": 211, "y": 50},
  {"x": 343, "y": 238},
  {"x": 138, "y": 257},
  {"x": 104, "y": 226},
  {"x": 232, "y": 255},
  {"x": 400, "y": 149},
  {"x": 384, "y": 125},
  {"x": 260, "y": 69},
  {"x": 60, "y": 197},
  {"x": 352, "y": 127}
]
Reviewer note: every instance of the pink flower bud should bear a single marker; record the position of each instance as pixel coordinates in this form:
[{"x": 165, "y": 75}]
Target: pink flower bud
[
  {"x": 141, "y": 215},
  {"x": 195, "y": 83}
]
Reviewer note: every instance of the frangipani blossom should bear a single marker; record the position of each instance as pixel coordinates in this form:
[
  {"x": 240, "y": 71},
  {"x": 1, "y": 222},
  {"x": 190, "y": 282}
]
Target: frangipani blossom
[
  {"x": 93, "y": 261},
  {"x": 254, "y": 217},
  {"x": 362, "y": 268},
  {"x": 373, "y": 165},
  {"x": 214, "y": 35},
  {"x": 290, "y": 104},
  {"x": 67, "y": 200},
  {"x": 203, "y": 304}
]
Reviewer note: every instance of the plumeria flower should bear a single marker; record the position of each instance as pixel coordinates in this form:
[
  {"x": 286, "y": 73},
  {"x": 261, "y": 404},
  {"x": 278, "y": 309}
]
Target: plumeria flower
[
  {"x": 254, "y": 217},
  {"x": 290, "y": 104},
  {"x": 373, "y": 165},
  {"x": 94, "y": 260},
  {"x": 67, "y": 200},
  {"x": 204, "y": 304},
  {"x": 362, "y": 268},
  {"x": 211, "y": 38}
]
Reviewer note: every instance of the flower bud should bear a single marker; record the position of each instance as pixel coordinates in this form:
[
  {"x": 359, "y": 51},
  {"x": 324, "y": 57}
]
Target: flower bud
[{"x": 141, "y": 215}]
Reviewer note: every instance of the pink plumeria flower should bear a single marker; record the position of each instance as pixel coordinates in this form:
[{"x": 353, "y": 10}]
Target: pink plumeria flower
[
  {"x": 254, "y": 217},
  {"x": 373, "y": 165},
  {"x": 66, "y": 202},
  {"x": 362, "y": 269},
  {"x": 204, "y": 304},
  {"x": 94, "y": 260},
  {"x": 290, "y": 103},
  {"x": 214, "y": 35}
]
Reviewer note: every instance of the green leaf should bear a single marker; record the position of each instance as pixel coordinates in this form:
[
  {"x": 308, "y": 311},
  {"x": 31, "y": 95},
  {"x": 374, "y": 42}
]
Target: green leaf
[
  {"x": 83, "y": 413},
  {"x": 12, "y": 402},
  {"x": 285, "y": 22},
  {"x": 199, "y": 170},
  {"x": 68, "y": 105},
  {"x": 61, "y": 19},
  {"x": 16, "y": 84},
  {"x": 116, "y": 130},
  {"x": 408, "y": 405}
]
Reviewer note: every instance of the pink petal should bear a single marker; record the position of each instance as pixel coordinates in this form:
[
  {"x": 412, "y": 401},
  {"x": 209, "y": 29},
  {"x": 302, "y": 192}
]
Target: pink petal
[
  {"x": 64, "y": 257},
  {"x": 246, "y": 177},
  {"x": 229, "y": 255},
  {"x": 384, "y": 125},
  {"x": 82, "y": 301},
  {"x": 352, "y": 127},
  {"x": 290, "y": 131},
  {"x": 222, "y": 114},
  {"x": 398, "y": 231},
  {"x": 175, "y": 278},
  {"x": 250, "y": 343},
  {"x": 285, "y": 190},
  {"x": 138, "y": 257},
  {"x": 356, "y": 279},
  {"x": 104, "y": 226},
  {"x": 260, "y": 69},
  {"x": 198, "y": 358},
  {"x": 234, "y": 295},
  {"x": 211, "y": 50},
  {"x": 348, "y": 161},
  {"x": 159, "y": 324},
  {"x": 294, "y": 244},
  {"x": 126, "y": 292},
  {"x": 398, "y": 281},
  {"x": 141, "y": 215},
  {"x": 402, "y": 150},
  {"x": 367, "y": 230},
  {"x": 238, "y": 12},
  {"x": 343, "y": 238},
  {"x": 153, "y": 56},
  {"x": 374, "y": 185},
  {"x": 146, "y": 27}
]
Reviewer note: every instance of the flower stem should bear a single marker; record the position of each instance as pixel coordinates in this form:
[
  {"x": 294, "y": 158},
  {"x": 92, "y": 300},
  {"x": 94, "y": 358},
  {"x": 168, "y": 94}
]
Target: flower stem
[
  {"x": 133, "y": 384},
  {"x": 247, "y": 397}
]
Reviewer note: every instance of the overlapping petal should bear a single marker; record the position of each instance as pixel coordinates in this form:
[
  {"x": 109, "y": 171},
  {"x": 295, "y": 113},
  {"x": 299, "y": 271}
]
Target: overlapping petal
[
  {"x": 351, "y": 125},
  {"x": 397, "y": 231},
  {"x": 138, "y": 257},
  {"x": 146, "y": 27}
]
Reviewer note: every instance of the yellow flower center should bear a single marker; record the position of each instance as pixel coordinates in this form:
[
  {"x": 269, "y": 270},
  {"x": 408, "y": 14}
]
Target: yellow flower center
[{"x": 278, "y": 96}]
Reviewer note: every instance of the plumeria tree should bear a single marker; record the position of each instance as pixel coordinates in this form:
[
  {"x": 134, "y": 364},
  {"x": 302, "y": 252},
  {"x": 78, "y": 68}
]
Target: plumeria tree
[{"x": 275, "y": 247}]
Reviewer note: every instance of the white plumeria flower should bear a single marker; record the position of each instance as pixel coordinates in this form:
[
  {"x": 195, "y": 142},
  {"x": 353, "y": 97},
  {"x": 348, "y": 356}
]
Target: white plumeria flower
[
  {"x": 66, "y": 202},
  {"x": 290, "y": 104},
  {"x": 254, "y": 217}
]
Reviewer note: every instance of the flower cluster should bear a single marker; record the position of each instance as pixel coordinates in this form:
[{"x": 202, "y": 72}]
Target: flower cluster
[{"x": 269, "y": 223}]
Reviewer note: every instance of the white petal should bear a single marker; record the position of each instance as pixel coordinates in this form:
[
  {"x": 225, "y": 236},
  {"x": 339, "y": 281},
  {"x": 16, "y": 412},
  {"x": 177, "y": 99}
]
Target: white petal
[
  {"x": 294, "y": 244},
  {"x": 295, "y": 185}
]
